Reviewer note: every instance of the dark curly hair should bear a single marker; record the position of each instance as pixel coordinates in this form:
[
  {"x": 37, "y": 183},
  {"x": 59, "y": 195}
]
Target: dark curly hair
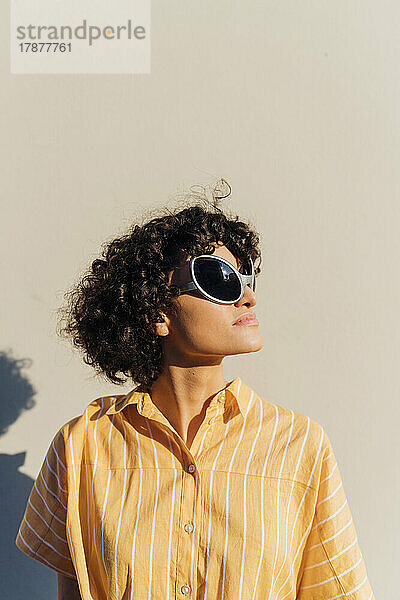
[{"x": 108, "y": 313}]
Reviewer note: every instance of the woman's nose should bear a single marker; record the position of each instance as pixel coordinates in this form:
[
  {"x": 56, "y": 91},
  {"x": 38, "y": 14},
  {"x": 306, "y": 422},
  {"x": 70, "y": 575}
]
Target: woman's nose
[{"x": 249, "y": 298}]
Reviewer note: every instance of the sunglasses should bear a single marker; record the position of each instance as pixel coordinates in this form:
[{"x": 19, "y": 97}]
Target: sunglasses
[{"x": 218, "y": 280}]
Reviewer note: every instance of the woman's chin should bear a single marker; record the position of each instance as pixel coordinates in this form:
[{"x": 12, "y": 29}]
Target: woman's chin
[
  {"x": 251, "y": 342},
  {"x": 255, "y": 347}
]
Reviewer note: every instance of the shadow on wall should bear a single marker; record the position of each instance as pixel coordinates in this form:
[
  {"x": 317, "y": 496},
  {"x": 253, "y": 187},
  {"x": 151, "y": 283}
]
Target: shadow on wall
[{"x": 21, "y": 577}]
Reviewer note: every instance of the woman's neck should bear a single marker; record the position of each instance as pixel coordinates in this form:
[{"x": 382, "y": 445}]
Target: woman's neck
[{"x": 182, "y": 394}]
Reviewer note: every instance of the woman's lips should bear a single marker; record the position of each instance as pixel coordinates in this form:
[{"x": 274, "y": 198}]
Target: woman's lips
[{"x": 247, "y": 320}]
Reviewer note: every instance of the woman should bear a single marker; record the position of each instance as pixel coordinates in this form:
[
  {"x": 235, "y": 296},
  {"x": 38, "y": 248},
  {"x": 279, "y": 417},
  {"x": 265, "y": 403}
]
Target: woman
[{"x": 189, "y": 486}]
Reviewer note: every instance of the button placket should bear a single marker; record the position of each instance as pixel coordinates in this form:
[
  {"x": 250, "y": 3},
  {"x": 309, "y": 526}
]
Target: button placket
[
  {"x": 188, "y": 530},
  {"x": 185, "y": 573},
  {"x": 187, "y": 544},
  {"x": 189, "y": 521}
]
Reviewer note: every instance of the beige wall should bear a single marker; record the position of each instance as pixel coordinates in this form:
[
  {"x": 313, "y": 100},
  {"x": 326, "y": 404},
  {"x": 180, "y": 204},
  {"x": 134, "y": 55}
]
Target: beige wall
[{"x": 296, "y": 104}]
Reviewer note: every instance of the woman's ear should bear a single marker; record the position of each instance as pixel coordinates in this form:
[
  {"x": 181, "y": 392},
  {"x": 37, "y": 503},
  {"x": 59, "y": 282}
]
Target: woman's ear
[{"x": 161, "y": 327}]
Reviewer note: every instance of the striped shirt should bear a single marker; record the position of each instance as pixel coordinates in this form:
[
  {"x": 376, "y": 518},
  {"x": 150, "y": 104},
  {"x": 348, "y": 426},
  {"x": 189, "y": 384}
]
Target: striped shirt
[{"x": 254, "y": 509}]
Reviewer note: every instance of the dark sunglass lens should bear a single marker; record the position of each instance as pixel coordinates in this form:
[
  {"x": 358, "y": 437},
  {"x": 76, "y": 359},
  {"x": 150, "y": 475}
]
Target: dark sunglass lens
[{"x": 217, "y": 279}]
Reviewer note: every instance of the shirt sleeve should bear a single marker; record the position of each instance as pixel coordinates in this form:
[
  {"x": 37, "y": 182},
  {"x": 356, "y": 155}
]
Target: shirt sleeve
[
  {"x": 42, "y": 533},
  {"x": 332, "y": 565}
]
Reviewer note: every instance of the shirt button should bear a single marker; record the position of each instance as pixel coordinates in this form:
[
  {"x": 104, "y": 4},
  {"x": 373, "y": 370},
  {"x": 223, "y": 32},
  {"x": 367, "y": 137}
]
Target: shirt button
[
  {"x": 189, "y": 527},
  {"x": 191, "y": 469},
  {"x": 185, "y": 589},
  {"x": 221, "y": 397}
]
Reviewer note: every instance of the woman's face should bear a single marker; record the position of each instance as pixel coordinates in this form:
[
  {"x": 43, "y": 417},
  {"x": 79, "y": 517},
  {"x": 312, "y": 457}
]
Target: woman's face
[{"x": 203, "y": 331}]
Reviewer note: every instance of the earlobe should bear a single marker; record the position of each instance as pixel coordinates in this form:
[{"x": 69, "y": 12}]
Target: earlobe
[{"x": 161, "y": 329}]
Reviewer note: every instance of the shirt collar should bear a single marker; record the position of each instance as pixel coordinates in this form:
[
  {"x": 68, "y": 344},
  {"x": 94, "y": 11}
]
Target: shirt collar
[{"x": 236, "y": 391}]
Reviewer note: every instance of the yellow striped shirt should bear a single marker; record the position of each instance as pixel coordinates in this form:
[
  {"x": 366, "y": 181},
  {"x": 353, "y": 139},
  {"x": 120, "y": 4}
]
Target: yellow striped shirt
[{"x": 253, "y": 510}]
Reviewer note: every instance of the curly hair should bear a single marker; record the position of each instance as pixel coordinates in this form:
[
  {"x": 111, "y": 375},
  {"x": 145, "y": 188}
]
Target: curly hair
[{"x": 109, "y": 312}]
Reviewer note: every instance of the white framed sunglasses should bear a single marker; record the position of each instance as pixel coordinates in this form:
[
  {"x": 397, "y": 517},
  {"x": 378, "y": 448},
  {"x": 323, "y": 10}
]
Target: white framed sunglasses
[{"x": 218, "y": 280}]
